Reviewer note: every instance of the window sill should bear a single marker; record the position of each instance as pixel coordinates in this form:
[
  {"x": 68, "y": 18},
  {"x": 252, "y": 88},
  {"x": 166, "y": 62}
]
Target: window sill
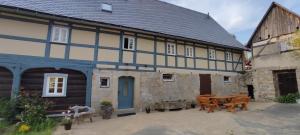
[
  {"x": 61, "y": 43},
  {"x": 54, "y": 96}
]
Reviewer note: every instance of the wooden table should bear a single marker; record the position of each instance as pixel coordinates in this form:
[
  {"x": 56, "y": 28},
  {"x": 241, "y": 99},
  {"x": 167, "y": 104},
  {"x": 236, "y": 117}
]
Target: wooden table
[{"x": 221, "y": 100}]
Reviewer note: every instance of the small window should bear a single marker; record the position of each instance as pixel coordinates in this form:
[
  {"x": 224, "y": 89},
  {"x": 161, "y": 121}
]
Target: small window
[
  {"x": 228, "y": 56},
  {"x": 60, "y": 34},
  {"x": 168, "y": 77},
  {"x": 106, "y": 7},
  {"x": 227, "y": 79},
  {"x": 55, "y": 85},
  {"x": 128, "y": 43},
  {"x": 104, "y": 82},
  {"x": 171, "y": 49},
  {"x": 212, "y": 54},
  {"x": 189, "y": 52}
]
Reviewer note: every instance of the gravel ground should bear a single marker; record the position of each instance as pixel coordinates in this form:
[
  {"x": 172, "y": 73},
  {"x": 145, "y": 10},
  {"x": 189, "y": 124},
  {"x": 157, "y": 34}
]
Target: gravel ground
[{"x": 261, "y": 119}]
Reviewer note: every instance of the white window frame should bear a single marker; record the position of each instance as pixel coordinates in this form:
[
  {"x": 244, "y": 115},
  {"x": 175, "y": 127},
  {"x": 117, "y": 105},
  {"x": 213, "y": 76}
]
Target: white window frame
[
  {"x": 129, "y": 47},
  {"x": 168, "y": 80},
  {"x": 108, "y": 82},
  {"x": 47, "y": 77},
  {"x": 171, "y": 49},
  {"x": 189, "y": 51},
  {"x": 228, "y": 56},
  {"x": 229, "y": 79},
  {"x": 212, "y": 54},
  {"x": 61, "y": 38},
  {"x": 106, "y": 7}
]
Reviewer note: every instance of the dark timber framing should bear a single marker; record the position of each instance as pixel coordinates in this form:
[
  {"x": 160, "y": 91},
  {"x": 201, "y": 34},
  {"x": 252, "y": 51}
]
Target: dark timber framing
[{"x": 18, "y": 64}]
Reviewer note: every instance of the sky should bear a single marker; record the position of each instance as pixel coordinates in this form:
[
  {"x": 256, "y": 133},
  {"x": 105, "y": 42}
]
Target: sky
[{"x": 238, "y": 17}]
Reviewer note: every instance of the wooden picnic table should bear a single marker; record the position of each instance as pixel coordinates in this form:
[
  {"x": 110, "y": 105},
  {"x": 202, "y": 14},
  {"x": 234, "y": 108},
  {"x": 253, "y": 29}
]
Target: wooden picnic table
[{"x": 221, "y": 100}]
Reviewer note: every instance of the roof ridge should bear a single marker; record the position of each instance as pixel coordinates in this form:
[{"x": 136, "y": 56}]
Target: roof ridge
[{"x": 191, "y": 10}]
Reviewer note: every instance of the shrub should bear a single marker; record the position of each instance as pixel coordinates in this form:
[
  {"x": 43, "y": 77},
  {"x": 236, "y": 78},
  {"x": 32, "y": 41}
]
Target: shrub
[
  {"x": 7, "y": 109},
  {"x": 289, "y": 98},
  {"x": 106, "y": 103},
  {"x": 33, "y": 111}
]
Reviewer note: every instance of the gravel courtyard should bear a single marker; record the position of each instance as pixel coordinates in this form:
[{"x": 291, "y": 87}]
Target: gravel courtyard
[{"x": 261, "y": 119}]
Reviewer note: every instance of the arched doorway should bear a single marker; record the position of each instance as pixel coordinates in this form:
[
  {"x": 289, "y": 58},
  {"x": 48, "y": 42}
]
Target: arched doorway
[
  {"x": 63, "y": 87},
  {"x": 6, "y": 80},
  {"x": 125, "y": 92}
]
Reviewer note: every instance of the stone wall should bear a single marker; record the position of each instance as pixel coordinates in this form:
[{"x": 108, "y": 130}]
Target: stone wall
[
  {"x": 150, "y": 88},
  {"x": 264, "y": 84}
]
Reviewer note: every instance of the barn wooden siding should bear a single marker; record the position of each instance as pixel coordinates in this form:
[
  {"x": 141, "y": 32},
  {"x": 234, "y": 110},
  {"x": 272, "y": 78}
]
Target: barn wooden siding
[
  {"x": 278, "y": 21},
  {"x": 6, "y": 79},
  {"x": 32, "y": 81}
]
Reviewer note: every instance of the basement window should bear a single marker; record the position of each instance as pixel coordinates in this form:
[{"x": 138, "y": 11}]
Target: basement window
[
  {"x": 60, "y": 34},
  {"x": 55, "y": 85},
  {"x": 104, "y": 82},
  {"x": 227, "y": 79},
  {"x": 106, "y": 7},
  {"x": 168, "y": 77},
  {"x": 128, "y": 43}
]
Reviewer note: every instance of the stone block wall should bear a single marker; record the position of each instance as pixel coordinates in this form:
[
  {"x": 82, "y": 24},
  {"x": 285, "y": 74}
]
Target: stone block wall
[{"x": 150, "y": 88}]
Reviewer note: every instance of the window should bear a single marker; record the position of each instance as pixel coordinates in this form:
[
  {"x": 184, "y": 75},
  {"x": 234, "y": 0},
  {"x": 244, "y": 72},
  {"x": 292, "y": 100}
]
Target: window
[
  {"x": 128, "y": 43},
  {"x": 212, "y": 54},
  {"x": 189, "y": 52},
  {"x": 106, "y": 7},
  {"x": 60, "y": 34},
  {"x": 228, "y": 56},
  {"x": 55, "y": 85},
  {"x": 104, "y": 82},
  {"x": 227, "y": 79},
  {"x": 168, "y": 77},
  {"x": 171, "y": 49}
]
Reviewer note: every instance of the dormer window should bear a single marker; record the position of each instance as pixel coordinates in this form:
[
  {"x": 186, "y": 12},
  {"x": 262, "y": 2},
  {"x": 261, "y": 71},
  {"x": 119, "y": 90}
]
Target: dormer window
[{"x": 106, "y": 7}]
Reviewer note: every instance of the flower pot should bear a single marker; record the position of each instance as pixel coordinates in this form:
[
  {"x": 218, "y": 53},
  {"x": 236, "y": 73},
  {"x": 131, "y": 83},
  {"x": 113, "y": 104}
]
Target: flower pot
[
  {"x": 148, "y": 110},
  {"x": 68, "y": 126},
  {"x": 193, "y": 105},
  {"x": 106, "y": 111}
]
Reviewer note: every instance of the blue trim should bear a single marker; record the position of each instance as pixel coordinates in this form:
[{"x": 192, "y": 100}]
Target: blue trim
[
  {"x": 166, "y": 53},
  {"x": 155, "y": 53},
  {"x": 109, "y": 48},
  {"x": 22, "y": 38},
  {"x": 89, "y": 82},
  {"x": 97, "y": 44},
  {"x": 67, "y": 51},
  {"x": 135, "y": 50},
  {"x": 184, "y": 52},
  {"x": 225, "y": 59},
  {"x": 208, "y": 65},
  {"x": 216, "y": 67},
  {"x": 48, "y": 42},
  {"x": 232, "y": 64},
  {"x": 121, "y": 48},
  {"x": 176, "y": 53},
  {"x": 194, "y": 56}
]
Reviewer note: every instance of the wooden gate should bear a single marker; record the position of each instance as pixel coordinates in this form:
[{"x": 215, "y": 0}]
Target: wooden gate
[
  {"x": 286, "y": 82},
  {"x": 205, "y": 84}
]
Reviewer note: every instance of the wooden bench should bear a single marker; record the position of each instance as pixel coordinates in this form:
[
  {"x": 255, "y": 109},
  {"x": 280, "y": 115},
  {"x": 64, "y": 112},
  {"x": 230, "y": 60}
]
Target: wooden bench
[
  {"x": 241, "y": 101},
  {"x": 206, "y": 103},
  {"x": 82, "y": 112}
]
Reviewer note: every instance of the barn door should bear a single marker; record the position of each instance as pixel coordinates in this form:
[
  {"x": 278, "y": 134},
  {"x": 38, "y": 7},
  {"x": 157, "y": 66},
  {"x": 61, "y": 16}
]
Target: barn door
[
  {"x": 205, "y": 84},
  {"x": 287, "y": 82}
]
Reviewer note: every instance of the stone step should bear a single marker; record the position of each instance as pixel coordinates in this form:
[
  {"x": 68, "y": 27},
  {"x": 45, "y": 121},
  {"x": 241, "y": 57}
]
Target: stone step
[{"x": 125, "y": 112}]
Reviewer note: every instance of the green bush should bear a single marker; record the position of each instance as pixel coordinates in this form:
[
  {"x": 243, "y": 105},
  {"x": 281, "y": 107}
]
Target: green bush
[
  {"x": 33, "y": 111},
  {"x": 106, "y": 103},
  {"x": 289, "y": 98},
  {"x": 7, "y": 109}
]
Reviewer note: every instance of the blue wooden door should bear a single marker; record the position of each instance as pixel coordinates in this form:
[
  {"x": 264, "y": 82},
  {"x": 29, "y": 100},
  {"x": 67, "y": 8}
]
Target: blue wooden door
[{"x": 125, "y": 92}]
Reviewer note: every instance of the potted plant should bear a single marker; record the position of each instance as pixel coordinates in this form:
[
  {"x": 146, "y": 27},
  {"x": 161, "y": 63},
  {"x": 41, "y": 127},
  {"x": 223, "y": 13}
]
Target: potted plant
[
  {"x": 106, "y": 109},
  {"x": 67, "y": 120},
  {"x": 148, "y": 108},
  {"x": 193, "y": 104}
]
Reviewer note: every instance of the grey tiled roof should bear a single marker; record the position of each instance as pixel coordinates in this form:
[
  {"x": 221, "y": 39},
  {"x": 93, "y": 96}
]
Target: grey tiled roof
[{"x": 150, "y": 15}]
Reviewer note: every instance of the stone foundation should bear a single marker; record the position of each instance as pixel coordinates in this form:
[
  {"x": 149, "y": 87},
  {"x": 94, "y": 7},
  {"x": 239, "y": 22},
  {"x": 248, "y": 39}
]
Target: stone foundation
[{"x": 150, "y": 88}]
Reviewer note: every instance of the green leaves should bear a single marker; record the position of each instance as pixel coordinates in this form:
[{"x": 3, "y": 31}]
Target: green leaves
[{"x": 289, "y": 98}]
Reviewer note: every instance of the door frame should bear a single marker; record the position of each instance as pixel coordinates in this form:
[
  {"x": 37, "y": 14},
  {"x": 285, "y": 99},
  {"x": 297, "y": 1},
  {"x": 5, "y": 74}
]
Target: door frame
[
  {"x": 133, "y": 91},
  {"x": 276, "y": 79}
]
